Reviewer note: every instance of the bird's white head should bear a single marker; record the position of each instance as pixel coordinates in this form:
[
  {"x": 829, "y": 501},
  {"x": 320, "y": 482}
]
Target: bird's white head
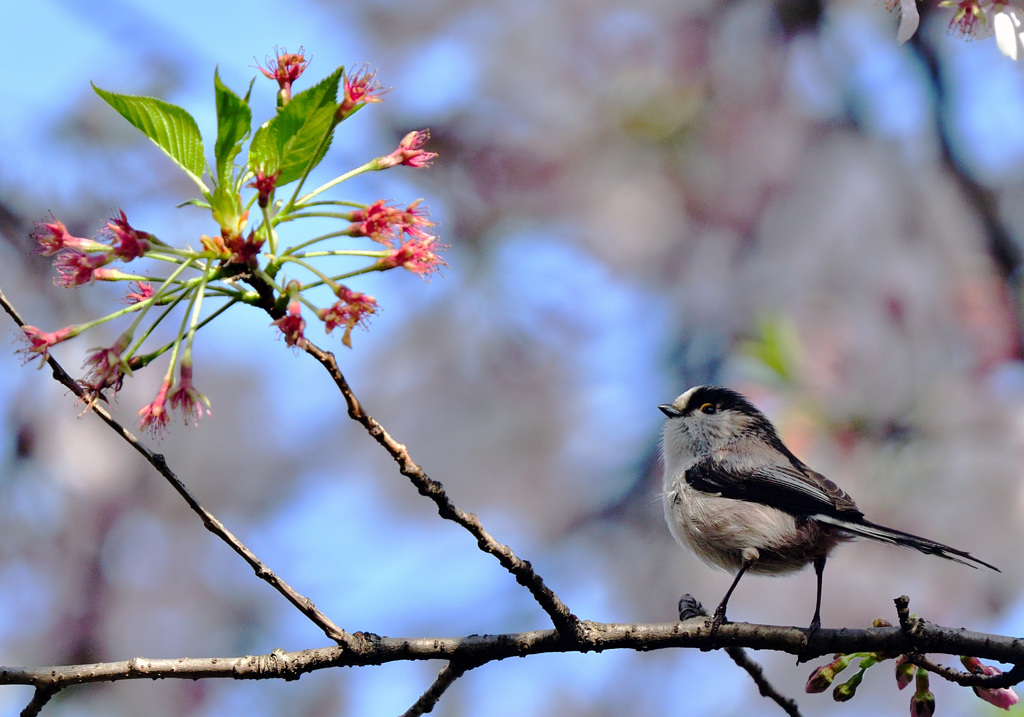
[{"x": 706, "y": 419}]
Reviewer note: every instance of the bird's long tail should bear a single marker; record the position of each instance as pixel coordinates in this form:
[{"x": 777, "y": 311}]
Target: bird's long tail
[{"x": 873, "y": 531}]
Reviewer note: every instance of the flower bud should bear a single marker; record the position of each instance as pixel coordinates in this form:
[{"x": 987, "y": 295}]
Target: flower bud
[
  {"x": 922, "y": 704},
  {"x": 904, "y": 672},
  {"x": 822, "y": 678},
  {"x": 1003, "y": 697},
  {"x": 848, "y": 689}
]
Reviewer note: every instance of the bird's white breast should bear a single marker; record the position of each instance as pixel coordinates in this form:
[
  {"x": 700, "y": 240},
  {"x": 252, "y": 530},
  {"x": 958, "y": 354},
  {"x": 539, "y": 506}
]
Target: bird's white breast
[{"x": 719, "y": 529}]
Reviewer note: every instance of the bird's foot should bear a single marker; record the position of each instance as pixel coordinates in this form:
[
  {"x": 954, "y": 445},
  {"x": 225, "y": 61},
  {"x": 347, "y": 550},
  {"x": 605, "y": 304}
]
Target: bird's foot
[
  {"x": 717, "y": 620},
  {"x": 690, "y": 607},
  {"x": 815, "y": 626},
  {"x": 804, "y": 655}
]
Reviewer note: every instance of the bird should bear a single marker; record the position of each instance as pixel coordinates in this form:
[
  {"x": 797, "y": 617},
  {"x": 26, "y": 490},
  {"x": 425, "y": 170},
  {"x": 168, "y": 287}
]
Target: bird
[{"x": 737, "y": 497}]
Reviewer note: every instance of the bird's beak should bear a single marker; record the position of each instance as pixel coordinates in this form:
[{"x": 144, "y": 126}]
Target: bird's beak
[{"x": 669, "y": 410}]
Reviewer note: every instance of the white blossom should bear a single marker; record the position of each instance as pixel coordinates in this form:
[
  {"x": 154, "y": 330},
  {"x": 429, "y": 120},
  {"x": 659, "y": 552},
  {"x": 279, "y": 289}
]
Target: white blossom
[
  {"x": 909, "y": 20},
  {"x": 1006, "y": 22}
]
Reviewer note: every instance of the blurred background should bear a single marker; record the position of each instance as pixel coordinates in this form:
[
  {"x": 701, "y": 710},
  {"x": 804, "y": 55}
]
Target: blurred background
[{"x": 639, "y": 197}]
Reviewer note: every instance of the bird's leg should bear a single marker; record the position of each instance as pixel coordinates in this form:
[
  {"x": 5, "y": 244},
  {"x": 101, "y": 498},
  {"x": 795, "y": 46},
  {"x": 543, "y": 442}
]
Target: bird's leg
[
  {"x": 750, "y": 556},
  {"x": 819, "y": 568}
]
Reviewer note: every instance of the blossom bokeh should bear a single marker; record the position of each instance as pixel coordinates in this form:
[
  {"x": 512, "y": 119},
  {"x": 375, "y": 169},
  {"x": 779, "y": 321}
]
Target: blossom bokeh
[{"x": 637, "y": 198}]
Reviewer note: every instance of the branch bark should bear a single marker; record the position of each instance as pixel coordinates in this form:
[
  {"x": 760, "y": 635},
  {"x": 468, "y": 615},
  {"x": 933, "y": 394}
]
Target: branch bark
[
  {"x": 40, "y": 697},
  {"x": 597, "y": 637},
  {"x": 449, "y": 673},
  {"x": 756, "y": 672}
]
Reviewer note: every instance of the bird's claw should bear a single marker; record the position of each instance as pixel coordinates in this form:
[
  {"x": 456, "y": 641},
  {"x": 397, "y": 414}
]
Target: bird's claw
[
  {"x": 803, "y": 655},
  {"x": 690, "y": 607},
  {"x": 813, "y": 629},
  {"x": 717, "y": 620}
]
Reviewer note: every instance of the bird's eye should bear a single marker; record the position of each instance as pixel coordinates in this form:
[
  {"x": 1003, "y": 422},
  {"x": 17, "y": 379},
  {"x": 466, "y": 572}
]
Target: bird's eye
[{"x": 708, "y": 408}]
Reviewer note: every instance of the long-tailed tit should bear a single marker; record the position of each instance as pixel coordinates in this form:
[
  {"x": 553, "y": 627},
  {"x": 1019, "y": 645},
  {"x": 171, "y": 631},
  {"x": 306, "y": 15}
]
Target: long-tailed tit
[{"x": 739, "y": 499}]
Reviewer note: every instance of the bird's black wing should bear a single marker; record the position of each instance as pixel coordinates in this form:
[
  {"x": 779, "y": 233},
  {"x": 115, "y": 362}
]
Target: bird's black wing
[
  {"x": 795, "y": 488},
  {"x": 798, "y": 490}
]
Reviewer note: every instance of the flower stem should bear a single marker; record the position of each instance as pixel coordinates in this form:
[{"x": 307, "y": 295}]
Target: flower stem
[{"x": 368, "y": 167}]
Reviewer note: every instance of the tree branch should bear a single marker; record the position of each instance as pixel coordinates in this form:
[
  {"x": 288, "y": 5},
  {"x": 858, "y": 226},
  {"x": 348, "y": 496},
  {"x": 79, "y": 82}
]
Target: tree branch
[
  {"x": 475, "y": 650},
  {"x": 756, "y": 672},
  {"x": 911, "y": 626},
  {"x": 40, "y": 697},
  {"x": 210, "y": 521},
  {"x": 690, "y": 607},
  {"x": 564, "y": 621},
  {"x": 449, "y": 673},
  {"x": 969, "y": 679}
]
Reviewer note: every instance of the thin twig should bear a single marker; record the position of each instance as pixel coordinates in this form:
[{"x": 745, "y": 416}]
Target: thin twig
[
  {"x": 304, "y": 604},
  {"x": 448, "y": 674},
  {"x": 564, "y": 621},
  {"x": 756, "y": 672},
  {"x": 969, "y": 679},
  {"x": 40, "y": 697},
  {"x": 690, "y": 607},
  {"x": 907, "y": 623}
]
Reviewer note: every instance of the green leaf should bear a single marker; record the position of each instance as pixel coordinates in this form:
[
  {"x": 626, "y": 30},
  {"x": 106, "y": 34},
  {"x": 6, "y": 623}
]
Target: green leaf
[
  {"x": 170, "y": 127},
  {"x": 194, "y": 202},
  {"x": 263, "y": 151},
  {"x": 775, "y": 347},
  {"x": 293, "y": 141},
  {"x": 226, "y": 205},
  {"x": 234, "y": 122}
]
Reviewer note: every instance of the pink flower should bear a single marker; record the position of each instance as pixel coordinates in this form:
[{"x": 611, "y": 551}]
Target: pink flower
[
  {"x": 1003, "y": 697},
  {"x": 105, "y": 274},
  {"x": 285, "y": 68},
  {"x": 106, "y": 369},
  {"x": 129, "y": 243},
  {"x": 410, "y": 152},
  {"x": 54, "y": 237},
  {"x": 264, "y": 184},
  {"x": 360, "y": 88},
  {"x": 138, "y": 291},
  {"x": 968, "y": 19},
  {"x": 244, "y": 251},
  {"x": 186, "y": 398},
  {"x": 75, "y": 268},
  {"x": 352, "y": 309},
  {"x": 384, "y": 223},
  {"x": 291, "y": 325},
  {"x": 415, "y": 255},
  {"x": 153, "y": 416},
  {"x": 40, "y": 342}
]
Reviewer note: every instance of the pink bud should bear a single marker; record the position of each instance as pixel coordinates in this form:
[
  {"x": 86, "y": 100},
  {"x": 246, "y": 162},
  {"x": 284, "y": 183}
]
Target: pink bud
[
  {"x": 904, "y": 672},
  {"x": 1003, "y": 697},
  {"x": 822, "y": 678},
  {"x": 291, "y": 325},
  {"x": 922, "y": 704}
]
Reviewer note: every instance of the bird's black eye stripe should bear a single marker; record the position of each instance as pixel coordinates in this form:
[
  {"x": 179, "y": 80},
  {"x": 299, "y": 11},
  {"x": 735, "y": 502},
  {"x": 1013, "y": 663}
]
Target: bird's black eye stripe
[{"x": 722, "y": 399}]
